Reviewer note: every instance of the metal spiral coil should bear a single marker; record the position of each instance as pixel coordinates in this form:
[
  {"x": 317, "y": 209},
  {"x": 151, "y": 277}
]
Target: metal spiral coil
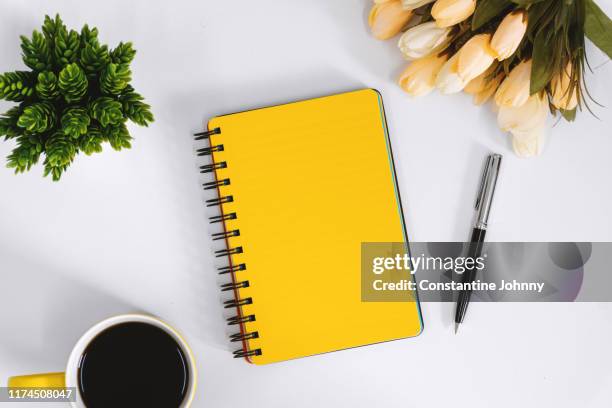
[
  {"x": 207, "y": 151},
  {"x": 207, "y": 134},
  {"x": 215, "y": 184},
  {"x": 229, "y": 251},
  {"x": 220, "y": 218},
  {"x": 234, "y": 285},
  {"x": 228, "y": 304},
  {"x": 213, "y": 202},
  {"x": 209, "y": 168},
  {"x": 231, "y": 268},
  {"x": 223, "y": 235},
  {"x": 240, "y": 319},
  {"x": 240, "y": 353},
  {"x": 237, "y": 303},
  {"x": 243, "y": 336}
]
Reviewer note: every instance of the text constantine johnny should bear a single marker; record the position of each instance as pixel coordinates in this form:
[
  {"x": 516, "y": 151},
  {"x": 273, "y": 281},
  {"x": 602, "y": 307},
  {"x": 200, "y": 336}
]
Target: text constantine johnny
[{"x": 425, "y": 285}]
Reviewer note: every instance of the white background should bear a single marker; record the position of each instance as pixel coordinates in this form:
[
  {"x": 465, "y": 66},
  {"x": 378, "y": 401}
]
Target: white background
[{"x": 127, "y": 231}]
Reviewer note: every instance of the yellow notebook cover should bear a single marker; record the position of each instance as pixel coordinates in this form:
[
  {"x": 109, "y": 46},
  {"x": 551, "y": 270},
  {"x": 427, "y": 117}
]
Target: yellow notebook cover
[{"x": 308, "y": 182}]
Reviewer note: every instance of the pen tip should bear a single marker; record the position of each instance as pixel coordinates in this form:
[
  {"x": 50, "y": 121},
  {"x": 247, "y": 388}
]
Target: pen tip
[{"x": 456, "y": 327}]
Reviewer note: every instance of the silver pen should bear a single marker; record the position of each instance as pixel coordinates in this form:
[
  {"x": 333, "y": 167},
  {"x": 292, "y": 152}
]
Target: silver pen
[{"x": 484, "y": 199}]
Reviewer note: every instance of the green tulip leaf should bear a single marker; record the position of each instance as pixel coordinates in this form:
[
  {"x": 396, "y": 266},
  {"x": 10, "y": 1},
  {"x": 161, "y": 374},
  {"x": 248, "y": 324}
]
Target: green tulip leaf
[
  {"x": 598, "y": 27},
  {"x": 526, "y": 2},
  {"x": 542, "y": 67},
  {"x": 487, "y": 10},
  {"x": 569, "y": 115}
]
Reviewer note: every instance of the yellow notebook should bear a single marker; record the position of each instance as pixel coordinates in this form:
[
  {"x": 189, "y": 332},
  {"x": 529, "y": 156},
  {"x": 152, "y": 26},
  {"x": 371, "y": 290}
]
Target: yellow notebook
[{"x": 300, "y": 187}]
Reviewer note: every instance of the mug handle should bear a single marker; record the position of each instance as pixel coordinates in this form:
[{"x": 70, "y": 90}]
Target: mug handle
[{"x": 47, "y": 380}]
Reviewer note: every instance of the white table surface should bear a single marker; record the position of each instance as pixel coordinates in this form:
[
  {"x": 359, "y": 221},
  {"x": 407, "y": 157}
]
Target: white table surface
[{"x": 127, "y": 231}]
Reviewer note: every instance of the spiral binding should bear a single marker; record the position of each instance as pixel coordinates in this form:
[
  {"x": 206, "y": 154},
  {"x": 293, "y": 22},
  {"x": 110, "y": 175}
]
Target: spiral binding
[
  {"x": 224, "y": 235},
  {"x": 213, "y": 202},
  {"x": 246, "y": 336},
  {"x": 209, "y": 168},
  {"x": 221, "y": 218},
  {"x": 207, "y": 151},
  {"x": 235, "y": 303},
  {"x": 240, "y": 353},
  {"x": 234, "y": 285},
  {"x": 231, "y": 269},
  {"x": 215, "y": 184},
  {"x": 240, "y": 318},
  {"x": 229, "y": 251},
  {"x": 207, "y": 134}
]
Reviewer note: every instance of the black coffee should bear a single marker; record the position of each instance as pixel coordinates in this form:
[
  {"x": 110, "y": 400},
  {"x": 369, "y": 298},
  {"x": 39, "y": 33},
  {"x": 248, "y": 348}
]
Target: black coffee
[{"x": 133, "y": 365}]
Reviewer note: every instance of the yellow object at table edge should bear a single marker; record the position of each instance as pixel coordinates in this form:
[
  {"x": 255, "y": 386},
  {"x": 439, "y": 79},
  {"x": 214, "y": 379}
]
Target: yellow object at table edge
[{"x": 46, "y": 380}]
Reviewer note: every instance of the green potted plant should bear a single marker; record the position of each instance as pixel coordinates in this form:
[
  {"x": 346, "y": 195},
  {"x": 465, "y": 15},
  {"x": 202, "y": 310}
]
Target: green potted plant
[{"x": 75, "y": 97}]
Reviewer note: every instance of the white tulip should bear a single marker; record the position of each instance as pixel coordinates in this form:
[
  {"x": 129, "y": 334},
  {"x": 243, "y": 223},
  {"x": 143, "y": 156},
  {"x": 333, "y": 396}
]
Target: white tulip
[
  {"x": 483, "y": 86},
  {"x": 423, "y": 39},
  {"x": 388, "y": 18},
  {"x": 514, "y": 91},
  {"x": 419, "y": 77},
  {"x": 414, "y": 4},
  {"x": 475, "y": 56},
  {"x": 522, "y": 119},
  {"x": 527, "y": 123},
  {"x": 451, "y": 12},
  {"x": 509, "y": 34},
  {"x": 529, "y": 144},
  {"x": 448, "y": 80},
  {"x": 565, "y": 89}
]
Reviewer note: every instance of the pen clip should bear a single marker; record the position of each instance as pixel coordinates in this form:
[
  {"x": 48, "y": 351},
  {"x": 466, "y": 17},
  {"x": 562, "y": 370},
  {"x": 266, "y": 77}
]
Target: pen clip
[
  {"x": 483, "y": 180},
  {"x": 487, "y": 189}
]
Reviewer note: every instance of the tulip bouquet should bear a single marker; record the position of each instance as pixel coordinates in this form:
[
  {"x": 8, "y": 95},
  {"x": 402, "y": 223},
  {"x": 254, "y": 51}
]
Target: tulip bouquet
[{"x": 528, "y": 55}]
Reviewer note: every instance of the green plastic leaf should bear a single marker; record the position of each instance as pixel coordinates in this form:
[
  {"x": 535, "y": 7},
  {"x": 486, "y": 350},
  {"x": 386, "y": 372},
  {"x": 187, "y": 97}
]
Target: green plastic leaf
[
  {"x": 91, "y": 142},
  {"x": 536, "y": 14},
  {"x": 135, "y": 109},
  {"x": 118, "y": 136},
  {"x": 569, "y": 115},
  {"x": 107, "y": 111},
  {"x": 94, "y": 58},
  {"x": 486, "y": 10},
  {"x": 89, "y": 36},
  {"x": 527, "y": 2},
  {"x": 37, "y": 118},
  {"x": 542, "y": 67},
  {"x": 35, "y": 52},
  {"x": 114, "y": 78},
  {"x": 25, "y": 155},
  {"x": 60, "y": 150},
  {"x": 47, "y": 87},
  {"x": 16, "y": 86},
  {"x": 52, "y": 26},
  {"x": 8, "y": 123},
  {"x": 67, "y": 46},
  {"x": 73, "y": 83},
  {"x": 75, "y": 122},
  {"x": 123, "y": 54},
  {"x": 598, "y": 27}
]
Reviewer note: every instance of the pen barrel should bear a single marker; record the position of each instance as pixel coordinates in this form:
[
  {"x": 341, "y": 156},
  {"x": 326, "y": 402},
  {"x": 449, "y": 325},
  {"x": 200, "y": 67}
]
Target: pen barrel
[{"x": 474, "y": 251}]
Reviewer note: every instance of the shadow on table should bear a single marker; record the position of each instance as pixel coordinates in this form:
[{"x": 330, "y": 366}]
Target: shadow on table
[{"x": 44, "y": 312}]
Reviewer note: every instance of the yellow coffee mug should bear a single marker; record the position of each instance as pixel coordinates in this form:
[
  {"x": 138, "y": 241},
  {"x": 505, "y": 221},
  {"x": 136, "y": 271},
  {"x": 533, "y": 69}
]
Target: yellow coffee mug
[{"x": 69, "y": 378}]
